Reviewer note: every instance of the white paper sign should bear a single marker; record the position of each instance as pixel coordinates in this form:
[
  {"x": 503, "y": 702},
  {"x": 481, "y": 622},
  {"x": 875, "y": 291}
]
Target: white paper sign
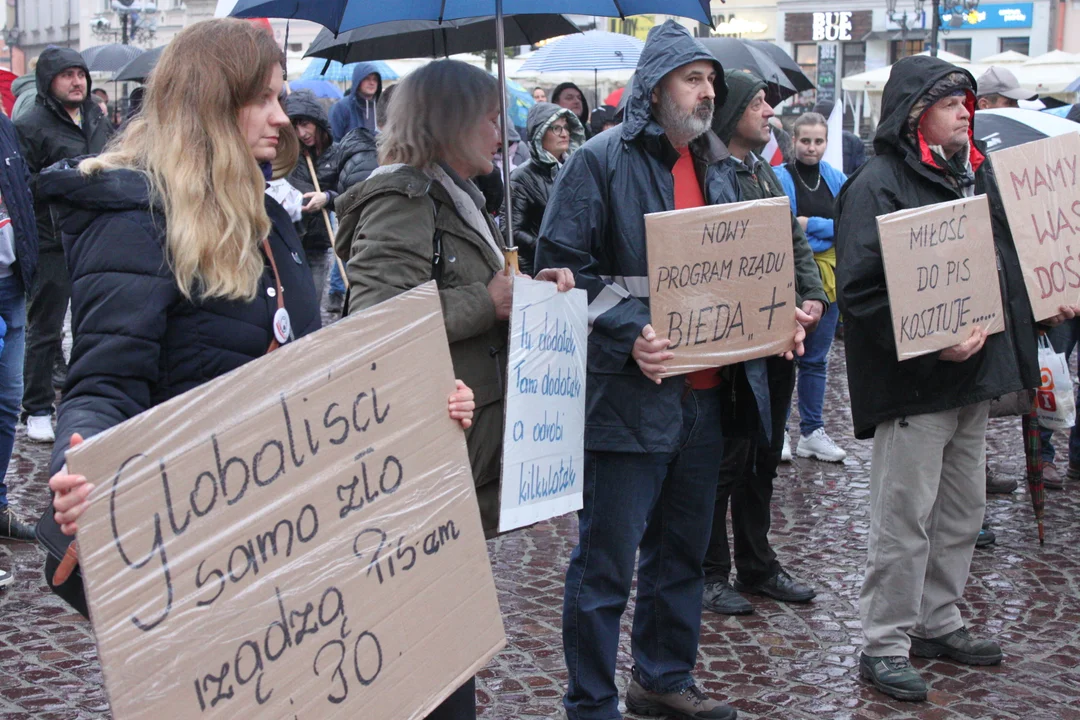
[{"x": 544, "y": 437}]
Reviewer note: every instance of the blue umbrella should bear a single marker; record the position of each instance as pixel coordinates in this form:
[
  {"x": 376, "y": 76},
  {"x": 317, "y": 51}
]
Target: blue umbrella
[
  {"x": 321, "y": 88},
  {"x": 337, "y": 72},
  {"x": 339, "y": 15},
  {"x": 520, "y": 102}
]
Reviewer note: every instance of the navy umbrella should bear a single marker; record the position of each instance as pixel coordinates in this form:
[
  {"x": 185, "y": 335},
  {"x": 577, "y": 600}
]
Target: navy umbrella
[
  {"x": 339, "y": 15},
  {"x": 429, "y": 38},
  {"x": 1007, "y": 127},
  {"x": 109, "y": 58}
]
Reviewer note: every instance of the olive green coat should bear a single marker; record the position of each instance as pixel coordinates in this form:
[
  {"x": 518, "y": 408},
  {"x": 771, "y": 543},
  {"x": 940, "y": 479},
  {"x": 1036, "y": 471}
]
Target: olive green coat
[{"x": 386, "y": 238}]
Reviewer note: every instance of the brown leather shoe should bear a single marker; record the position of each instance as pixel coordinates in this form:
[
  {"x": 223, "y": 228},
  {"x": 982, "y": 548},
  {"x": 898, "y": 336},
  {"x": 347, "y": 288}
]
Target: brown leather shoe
[
  {"x": 691, "y": 704},
  {"x": 1051, "y": 478}
]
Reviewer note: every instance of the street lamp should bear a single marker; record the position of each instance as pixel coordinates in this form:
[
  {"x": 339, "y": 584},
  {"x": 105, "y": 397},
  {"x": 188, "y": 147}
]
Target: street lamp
[
  {"x": 902, "y": 20},
  {"x": 136, "y": 22}
]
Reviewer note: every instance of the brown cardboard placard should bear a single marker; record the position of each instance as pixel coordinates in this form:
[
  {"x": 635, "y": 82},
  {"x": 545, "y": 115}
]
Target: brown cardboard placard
[
  {"x": 941, "y": 274},
  {"x": 1041, "y": 193},
  {"x": 299, "y": 538},
  {"x": 722, "y": 282}
]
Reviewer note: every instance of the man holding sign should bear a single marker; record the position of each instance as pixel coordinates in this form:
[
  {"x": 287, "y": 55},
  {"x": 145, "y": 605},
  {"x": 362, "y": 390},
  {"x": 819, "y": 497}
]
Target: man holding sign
[
  {"x": 652, "y": 445},
  {"x": 927, "y": 414}
]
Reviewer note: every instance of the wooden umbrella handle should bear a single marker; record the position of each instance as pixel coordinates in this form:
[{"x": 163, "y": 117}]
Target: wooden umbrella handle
[{"x": 325, "y": 215}]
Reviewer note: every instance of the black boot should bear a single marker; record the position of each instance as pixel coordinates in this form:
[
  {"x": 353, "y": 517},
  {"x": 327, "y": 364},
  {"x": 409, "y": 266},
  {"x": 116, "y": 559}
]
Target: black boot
[{"x": 12, "y": 529}]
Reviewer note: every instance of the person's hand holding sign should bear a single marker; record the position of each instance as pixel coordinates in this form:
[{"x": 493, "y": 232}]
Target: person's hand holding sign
[
  {"x": 815, "y": 309},
  {"x": 1065, "y": 312},
  {"x": 650, "y": 352},
  {"x": 963, "y": 351},
  {"x": 803, "y": 320},
  {"x": 72, "y": 491}
]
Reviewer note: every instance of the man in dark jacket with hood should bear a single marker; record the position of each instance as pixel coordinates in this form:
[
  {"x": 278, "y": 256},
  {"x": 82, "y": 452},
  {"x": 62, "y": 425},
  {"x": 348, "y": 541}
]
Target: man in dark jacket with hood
[
  {"x": 569, "y": 96},
  {"x": 752, "y": 447},
  {"x": 553, "y": 134},
  {"x": 652, "y": 446},
  {"x": 927, "y": 415},
  {"x": 358, "y": 108},
  {"x": 65, "y": 122}
]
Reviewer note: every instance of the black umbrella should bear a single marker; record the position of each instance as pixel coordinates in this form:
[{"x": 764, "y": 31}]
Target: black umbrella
[
  {"x": 139, "y": 69},
  {"x": 791, "y": 68},
  {"x": 429, "y": 38},
  {"x": 735, "y": 54},
  {"x": 109, "y": 58},
  {"x": 1005, "y": 127}
]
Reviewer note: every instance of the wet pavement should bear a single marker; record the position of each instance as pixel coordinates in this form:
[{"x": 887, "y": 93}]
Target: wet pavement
[{"x": 784, "y": 661}]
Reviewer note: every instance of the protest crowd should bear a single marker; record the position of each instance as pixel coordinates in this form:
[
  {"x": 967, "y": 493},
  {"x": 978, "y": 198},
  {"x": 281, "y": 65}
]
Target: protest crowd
[{"x": 229, "y": 216}]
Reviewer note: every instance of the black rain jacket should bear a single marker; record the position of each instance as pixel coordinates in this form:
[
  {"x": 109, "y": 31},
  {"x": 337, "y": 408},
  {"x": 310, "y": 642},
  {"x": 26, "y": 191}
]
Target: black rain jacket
[
  {"x": 595, "y": 226},
  {"x": 881, "y": 387},
  {"x": 48, "y": 135}
]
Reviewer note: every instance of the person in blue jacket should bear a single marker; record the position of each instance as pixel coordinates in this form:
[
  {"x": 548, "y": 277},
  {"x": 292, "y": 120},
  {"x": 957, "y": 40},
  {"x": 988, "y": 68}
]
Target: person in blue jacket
[
  {"x": 357, "y": 109},
  {"x": 812, "y": 186}
]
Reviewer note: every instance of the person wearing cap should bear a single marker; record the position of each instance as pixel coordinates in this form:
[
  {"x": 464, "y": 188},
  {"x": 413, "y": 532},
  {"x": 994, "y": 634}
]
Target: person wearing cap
[
  {"x": 999, "y": 88},
  {"x": 927, "y": 415}
]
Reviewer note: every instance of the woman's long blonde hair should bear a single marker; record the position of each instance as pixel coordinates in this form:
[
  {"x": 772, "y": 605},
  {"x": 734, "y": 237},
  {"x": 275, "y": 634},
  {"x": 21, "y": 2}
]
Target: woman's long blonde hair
[{"x": 188, "y": 142}]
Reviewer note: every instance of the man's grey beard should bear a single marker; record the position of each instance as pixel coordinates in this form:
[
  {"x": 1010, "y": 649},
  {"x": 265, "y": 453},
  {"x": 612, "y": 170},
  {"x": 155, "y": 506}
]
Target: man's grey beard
[{"x": 682, "y": 127}]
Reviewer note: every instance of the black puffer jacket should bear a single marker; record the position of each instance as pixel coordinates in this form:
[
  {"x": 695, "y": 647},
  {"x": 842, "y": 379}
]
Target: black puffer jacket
[
  {"x": 882, "y": 388},
  {"x": 359, "y": 157},
  {"x": 303, "y": 105},
  {"x": 531, "y": 183},
  {"x": 138, "y": 341},
  {"x": 596, "y": 228},
  {"x": 48, "y": 135}
]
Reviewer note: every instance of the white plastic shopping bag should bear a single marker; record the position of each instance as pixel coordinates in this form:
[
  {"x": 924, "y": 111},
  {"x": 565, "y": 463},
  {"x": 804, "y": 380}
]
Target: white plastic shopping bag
[{"x": 1057, "y": 409}]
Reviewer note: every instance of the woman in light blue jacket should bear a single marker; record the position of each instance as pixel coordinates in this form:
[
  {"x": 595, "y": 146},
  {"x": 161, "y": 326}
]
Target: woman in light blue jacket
[{"x": 812, "y": 186}]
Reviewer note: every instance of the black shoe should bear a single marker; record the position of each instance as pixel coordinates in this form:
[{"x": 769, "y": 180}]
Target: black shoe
[
  {"x": 893, "y": 676},
  {"x": 721, "y": 598},
  {"x": 690, "y": 703},
  {"x": 986, "y": 536},
  {"x": 780, "y": 586},
  {"x": 12, "y": 529},
  {"x": 960, "y": 646},
  {"x": 999, "y": 484}
]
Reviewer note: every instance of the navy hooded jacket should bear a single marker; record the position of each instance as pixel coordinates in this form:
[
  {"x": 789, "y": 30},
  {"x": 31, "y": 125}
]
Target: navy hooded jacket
[
  {"x": 595, "y": 226},
  {"x": 355, "y": 111}
]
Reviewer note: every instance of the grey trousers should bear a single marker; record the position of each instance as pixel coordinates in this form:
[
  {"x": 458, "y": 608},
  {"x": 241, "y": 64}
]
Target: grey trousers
[
  {"x": 927, "y": 497},
  {"x": 319, "y": 262}
]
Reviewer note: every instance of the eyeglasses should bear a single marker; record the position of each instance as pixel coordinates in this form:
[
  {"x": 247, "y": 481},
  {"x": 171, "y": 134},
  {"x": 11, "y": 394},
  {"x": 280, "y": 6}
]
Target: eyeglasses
[{"x": 559, "y": 130}]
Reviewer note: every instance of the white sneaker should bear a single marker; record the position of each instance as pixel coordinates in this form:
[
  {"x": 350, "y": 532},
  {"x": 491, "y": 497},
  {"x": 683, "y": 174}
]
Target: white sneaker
[
  {"x": 819, "y": 445},
  {"x": 39, "y": 428},
  {"x": 6, "y": 578},
  {"x": 785, "y": 454}
]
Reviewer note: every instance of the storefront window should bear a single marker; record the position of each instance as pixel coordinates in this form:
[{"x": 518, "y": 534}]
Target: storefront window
[
  {"x": 1017, "y": 44},
  {"x": 854, "y": 59},
  {"x": 806, "y": 55},
  {"x": 959, "y": 47},
  {"x": 904, "y": 48}
]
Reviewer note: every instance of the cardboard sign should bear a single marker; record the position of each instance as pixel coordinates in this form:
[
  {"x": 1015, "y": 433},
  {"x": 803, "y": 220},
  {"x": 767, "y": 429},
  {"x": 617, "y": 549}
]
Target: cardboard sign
[
  {"x": 296, "y": 539},
  {"x": 1041, "y": 192},
  {"x": 941, "y": 273},
  {"x": 722, "y": 282},
  {"x": 544, "y": 435}
]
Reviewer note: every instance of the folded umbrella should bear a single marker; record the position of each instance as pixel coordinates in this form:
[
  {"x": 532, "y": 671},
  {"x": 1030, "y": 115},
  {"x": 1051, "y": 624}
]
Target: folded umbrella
[
  {"x": 735, "y": 54},
  {"x": 109, "y": 58},
  {"x": 430, "y": 38},
  {"x": 138, "y": 69}
]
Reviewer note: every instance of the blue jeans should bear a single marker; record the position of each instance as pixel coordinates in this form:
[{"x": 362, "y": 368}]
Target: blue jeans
[
  {"x": 1063, "y": 338},
  {"x": 337, "y": 285},
  {"x": 13, "y": 310},
  {"x": 661, "y": 503},
  {"x": 813, "y": 367}
]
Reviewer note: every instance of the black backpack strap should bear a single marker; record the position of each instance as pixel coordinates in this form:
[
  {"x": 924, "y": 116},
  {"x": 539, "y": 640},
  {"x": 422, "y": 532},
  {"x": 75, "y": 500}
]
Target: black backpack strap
[{"x": 436, "y": 244}]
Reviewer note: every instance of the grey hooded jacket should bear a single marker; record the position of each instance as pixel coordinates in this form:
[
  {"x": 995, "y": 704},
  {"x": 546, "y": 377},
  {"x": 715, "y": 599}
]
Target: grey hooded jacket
[{"x": 596, "y": 227}]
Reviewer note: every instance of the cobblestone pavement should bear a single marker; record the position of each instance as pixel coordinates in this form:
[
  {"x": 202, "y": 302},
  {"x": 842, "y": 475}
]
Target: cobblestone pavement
[{"x": 784, "y": 661}]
